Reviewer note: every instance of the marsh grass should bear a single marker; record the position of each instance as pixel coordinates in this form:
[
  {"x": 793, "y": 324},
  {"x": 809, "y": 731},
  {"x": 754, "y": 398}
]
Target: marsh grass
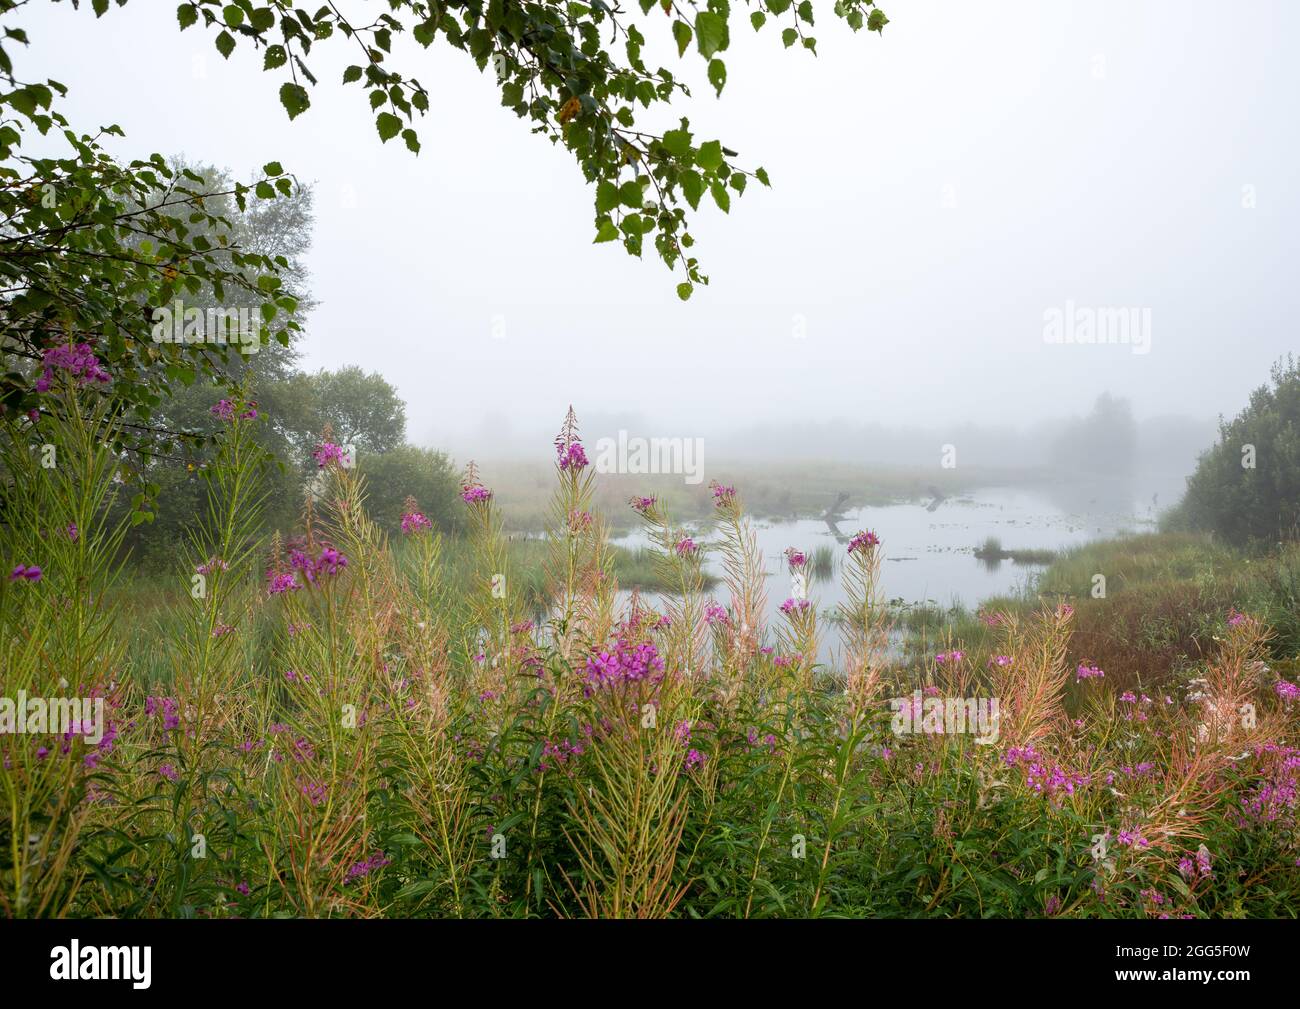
[{"x": 342, "y": 726}]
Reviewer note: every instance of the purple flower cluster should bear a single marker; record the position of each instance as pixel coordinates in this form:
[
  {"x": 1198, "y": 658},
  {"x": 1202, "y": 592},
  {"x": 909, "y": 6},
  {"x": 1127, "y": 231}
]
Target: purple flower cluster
[
  {"x": 768, "y": 740},
  {"x": 641, "y": 505},
  {"x": 1051, "y": 781},
  {"x": 573, "y": 456},
  {"x": 27, "y": 573},
  {"x": 369, "y": 865},
  {"x": 1278, "y": 793},
  {"x": 626, "y": 663},
  {"x": 475, "y": 495},
  {"x": 864, "y": 542},
  {"x": 1196, "y": 865},
  {"x": 686, "y": 547},
  {"x": 557, "y": 754},
  {"x": 952, "y": 657},
  {"x": 315, "y": 791},
  {"x": 327, "y": 452},
  {"x": 715, "y": 614},
  {"x": 792, "y": 606},
  {"x": 225, "y": 410},
  {"x": 328, "y": 562},
  {"x": 1286, "y": 691},
  {"x": 795, "y": 558},
  {"x": 723, "y": 495},
  {"x": 280, "y": 583},
  {"x": 168, "y": 707},
  {"x": 79, "y": 362},
  {"x": 1086, "y": 672}
]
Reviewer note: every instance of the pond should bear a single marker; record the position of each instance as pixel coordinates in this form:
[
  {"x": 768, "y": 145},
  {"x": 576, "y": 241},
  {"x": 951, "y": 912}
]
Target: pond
[{"x": 929, "y": 546}]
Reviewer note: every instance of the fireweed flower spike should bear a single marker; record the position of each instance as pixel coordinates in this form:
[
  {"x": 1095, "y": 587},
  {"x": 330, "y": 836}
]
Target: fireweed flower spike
[
  {"x": 78, "y": 362},
  {"x": 642, "y": 505},
  {"x": 574, "y": 457},
  {"x": 327, "y": 452},
  {"x": 723, "y": 495},
  {"x": 278, "y": 584},
  {"x": 686, "y": 547},
  {"x": 864, "y": 542},
  {"x": 26, "y": 572},
  {"x": 414, "y": 522}
]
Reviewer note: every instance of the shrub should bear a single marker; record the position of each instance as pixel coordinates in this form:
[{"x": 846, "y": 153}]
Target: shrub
[{"x": 1247, "y": 487}]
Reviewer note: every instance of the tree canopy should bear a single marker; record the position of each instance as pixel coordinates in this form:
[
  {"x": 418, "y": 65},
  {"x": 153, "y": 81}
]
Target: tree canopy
[{"x": 95, "y": 251}]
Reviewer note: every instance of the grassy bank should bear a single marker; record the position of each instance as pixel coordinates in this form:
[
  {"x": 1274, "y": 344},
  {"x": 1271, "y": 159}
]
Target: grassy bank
[
  {"x": 802, "y": 489},
  {"x": 1147, "y": 607}
]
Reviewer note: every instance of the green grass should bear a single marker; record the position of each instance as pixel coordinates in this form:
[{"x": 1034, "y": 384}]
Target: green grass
[
  {"x": 1147, "y": 607},
  {"x": 991, "y": 550}
]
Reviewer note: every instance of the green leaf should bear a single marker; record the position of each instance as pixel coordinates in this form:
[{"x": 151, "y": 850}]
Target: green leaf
[
  {"x": 351, "y": 74},
  {"x": 276, "y": 56},
  {"x": 629, "y": 193},
  {"x": 272, "y": 168},
  {"x": 709, "y": 156},
  {"x": 677, "y": 142},
  {"x": 605, "y": 231},
  {"x": 388, "y": 126},
  {"x": 758, "y": 19},
  {"x": 710, "y": 33},
  {"x": 412, "y": 140},
  {"x": 684, "y": 291},
  {"x": 789, "y": 37},
  {"x": 720, "y": 196},
  {"x": 692, "y": 187},
  {"x": 876, "y": 21},
  {"x": 682, "y": 33},
  {"x": 225, "y": 44},
  {"x": 233, "y": 15},
  {"x": 717, "y": 74},
  {"x": 187, "y": 14},
  {"x": 294, "y": 99},
  {"x": 606, "y": 196}
]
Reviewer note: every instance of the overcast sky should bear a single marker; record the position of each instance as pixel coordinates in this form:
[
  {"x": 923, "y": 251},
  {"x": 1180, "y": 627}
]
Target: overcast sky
[{"x": 936, "y": 191}]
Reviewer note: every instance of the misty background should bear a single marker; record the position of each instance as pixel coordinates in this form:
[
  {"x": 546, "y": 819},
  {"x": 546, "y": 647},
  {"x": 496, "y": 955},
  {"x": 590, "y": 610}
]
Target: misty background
[{"x": 935, "y": 192}]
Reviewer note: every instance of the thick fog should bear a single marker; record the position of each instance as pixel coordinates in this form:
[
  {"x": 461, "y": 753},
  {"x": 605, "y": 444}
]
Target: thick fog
[{"x": 958, "y": 207}]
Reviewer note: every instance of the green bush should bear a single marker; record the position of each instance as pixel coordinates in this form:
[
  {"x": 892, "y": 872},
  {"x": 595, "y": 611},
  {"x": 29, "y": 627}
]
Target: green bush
[{"x": 1247, "y": 487}]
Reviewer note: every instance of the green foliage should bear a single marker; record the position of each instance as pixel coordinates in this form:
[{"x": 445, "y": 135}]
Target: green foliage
[
  {"x": 407, "y": 471},
  {"x": 361, "y": 409},
  {"x": 392, "y": 738},
  {"x": 574, "y": 71},
  {"x": 1247, "y": 487},
  {"x": 92, "y": 250}
]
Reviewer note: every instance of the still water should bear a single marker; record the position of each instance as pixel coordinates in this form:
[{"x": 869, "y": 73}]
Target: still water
[{"x": 929, "y": 546}]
